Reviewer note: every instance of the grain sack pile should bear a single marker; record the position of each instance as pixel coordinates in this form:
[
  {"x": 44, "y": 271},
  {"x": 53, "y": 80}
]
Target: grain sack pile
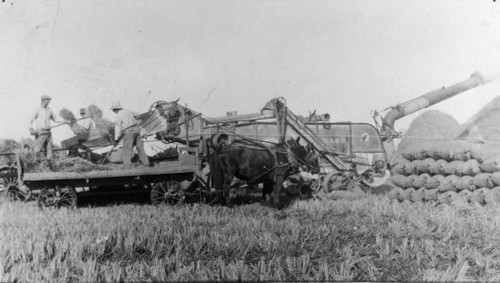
[{"x": 433, "y": 165}]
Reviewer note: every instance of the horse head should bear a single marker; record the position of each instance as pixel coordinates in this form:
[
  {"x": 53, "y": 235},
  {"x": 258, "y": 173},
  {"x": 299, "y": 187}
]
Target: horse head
[{"x": 305, "y": 155}]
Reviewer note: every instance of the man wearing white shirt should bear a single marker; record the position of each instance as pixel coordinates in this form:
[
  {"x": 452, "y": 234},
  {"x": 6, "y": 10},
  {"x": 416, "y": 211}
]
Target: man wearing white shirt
[
  {"x": 40, "y": 126},
  {"x": 126, "y": 127}
]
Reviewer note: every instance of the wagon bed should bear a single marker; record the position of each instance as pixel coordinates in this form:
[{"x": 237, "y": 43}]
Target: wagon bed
[{"x": 163, "y": 180}]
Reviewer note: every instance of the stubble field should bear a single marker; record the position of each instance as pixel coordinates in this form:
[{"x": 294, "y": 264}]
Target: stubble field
[{"x": 368, "y": 239}]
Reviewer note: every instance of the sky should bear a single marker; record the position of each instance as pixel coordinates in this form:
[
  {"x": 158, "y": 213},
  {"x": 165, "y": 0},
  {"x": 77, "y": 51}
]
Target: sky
[{"x": 345, "y": 58}]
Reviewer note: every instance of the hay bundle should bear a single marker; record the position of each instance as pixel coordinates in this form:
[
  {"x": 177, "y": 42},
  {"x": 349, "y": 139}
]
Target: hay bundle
[
  {"x": 434, "y": 182},
  {"x": 448, "y": 184},
  {"x": 421, "y": 180},
  {"x": 434, "y": 126},
  {"x": 104, "y": 127},
  {"x": 483, "y": 180},
  {"x": 465, "y": 183},
  {"x": 67, "y": 115}
]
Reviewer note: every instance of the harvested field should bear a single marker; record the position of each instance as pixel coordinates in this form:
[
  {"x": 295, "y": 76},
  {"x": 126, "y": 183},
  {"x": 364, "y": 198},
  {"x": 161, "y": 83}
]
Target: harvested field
[{"x": 367, "y": 239}]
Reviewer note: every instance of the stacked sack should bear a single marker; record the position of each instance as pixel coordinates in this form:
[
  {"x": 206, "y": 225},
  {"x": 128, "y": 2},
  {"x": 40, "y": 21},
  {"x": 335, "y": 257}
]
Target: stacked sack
[{"x": 446, "y": 172}]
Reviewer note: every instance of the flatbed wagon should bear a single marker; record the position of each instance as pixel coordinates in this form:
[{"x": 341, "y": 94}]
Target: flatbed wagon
[{"x": 164, "y": 180}]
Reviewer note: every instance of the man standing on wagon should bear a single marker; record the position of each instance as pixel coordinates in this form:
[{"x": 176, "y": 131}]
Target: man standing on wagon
[
  {"x": 126, "y": 128},
  {"x": 40, "y": 127}
]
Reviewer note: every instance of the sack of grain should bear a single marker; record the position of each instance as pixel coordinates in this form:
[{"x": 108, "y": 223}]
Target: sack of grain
[
  {"x": 420, "y": 180},
  {"x": 407, "y": 155},
  {"x": 480, "y": 195},
  {"x": 406, "y": 194},
  {"x": 489, "y": 167},
  {"x": 462, "y": 155},
  {"x": 494, "y": 195},
  {"x": 399, "y": 168},
  {"x": 418, "y": 195},
  {"x": 398, "y": 180},
  {"x": 423, "y": 165},
  {"x": 394, "y": 193},
  {"x": 429, "y": 153},
  {"x": 483, "y": 180},
  {"x": 410, "y": 182},
  {"x": 471, "y": 168},
  {"x": 434, "y": 182},
  {"x": 465, "y": 183},
  {"x": 495, "y": 178},
  {"x": 436, "y": 168},
  {"x": 410, "y": 168},
  {"x": 448, "y": 184},
  {"x": 453, "y": 168},
  {"x": 466, "y": 195},
  {"x": 444, "y": 155},
  {"x": 431, "y": 195},
  {"x": 447, "y": 198}
]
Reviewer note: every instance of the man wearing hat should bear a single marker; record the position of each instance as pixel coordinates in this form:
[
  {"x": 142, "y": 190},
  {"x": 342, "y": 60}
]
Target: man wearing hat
[
  {"x": 40, "y": 126},
  {"x": 126, "y": 128},
  {"x": 86, "y": 122}
]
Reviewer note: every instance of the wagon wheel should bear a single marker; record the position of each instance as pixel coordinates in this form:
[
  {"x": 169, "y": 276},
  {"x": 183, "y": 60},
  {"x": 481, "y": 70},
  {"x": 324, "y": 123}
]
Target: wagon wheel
[
  {"x": 10, "y": 188},
  {"x": 316, "y": 185},
  {"x": 57, "y": 198},
  {"x": 336, "y": 181},
  {"x": 167, "y": 192}
]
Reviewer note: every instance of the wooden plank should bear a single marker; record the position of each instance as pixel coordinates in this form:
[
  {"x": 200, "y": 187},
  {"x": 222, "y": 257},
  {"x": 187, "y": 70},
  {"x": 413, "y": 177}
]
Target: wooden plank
[{"x": 173, "y": 167}]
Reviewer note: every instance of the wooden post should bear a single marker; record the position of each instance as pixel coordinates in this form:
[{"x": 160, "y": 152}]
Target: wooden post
[{"x": 186, "y": 124}]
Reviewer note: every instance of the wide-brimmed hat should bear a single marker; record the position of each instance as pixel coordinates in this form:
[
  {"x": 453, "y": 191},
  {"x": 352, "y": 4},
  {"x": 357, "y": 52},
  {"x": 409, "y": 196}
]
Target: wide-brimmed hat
[
  {"x": 116, "y": 105},
  {"x": 46, "y": 97}
]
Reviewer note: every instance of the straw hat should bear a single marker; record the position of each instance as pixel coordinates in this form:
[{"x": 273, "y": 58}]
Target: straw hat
[
  {"x": 46, "y": 97},
  {"x": 116, "y": 105}
]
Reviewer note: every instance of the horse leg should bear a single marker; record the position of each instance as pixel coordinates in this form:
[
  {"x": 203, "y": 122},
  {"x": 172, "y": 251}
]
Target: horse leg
[
  {"x": 278, "y": 184},
  {"x": 228, "y": 178},
  {"x": 266, "y": 192}
]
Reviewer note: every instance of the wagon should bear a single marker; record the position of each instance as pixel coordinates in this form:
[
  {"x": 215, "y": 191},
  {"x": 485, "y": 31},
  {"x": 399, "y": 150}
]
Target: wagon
[{"x": 166, "y": 181}]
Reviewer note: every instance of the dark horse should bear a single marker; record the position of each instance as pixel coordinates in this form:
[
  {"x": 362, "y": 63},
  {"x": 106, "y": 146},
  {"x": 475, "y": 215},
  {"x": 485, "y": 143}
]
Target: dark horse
[{"x": 255, "y": 163}]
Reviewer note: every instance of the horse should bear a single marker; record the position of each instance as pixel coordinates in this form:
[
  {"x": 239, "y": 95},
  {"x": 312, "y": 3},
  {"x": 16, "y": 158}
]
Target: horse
[{"x": 255, "y": 163}]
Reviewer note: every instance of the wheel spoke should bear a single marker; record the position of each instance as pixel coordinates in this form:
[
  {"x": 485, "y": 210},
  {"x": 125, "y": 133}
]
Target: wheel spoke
[{"x": 167, "y": 192}]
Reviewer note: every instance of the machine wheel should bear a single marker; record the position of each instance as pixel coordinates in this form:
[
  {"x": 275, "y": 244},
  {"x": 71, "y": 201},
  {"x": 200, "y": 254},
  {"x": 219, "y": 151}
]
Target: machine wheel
[
  {"x": 316, "y": 185},
  {"x": 57, "y": 198},
  {"x": 167, "y": 192},
  {"x": 336, "y": 181},
  {"x": 10, "y": 189}
]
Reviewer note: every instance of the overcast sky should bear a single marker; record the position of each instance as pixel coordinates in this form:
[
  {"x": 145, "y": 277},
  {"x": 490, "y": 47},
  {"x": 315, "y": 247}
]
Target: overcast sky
[{"x": 342, "y": 57}]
